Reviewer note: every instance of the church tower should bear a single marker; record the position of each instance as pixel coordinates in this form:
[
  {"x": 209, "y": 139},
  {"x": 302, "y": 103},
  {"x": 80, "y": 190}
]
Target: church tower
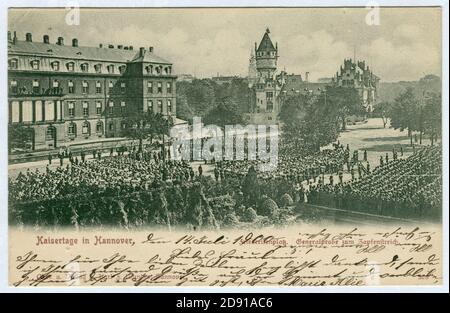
[
  {"x": 266, "y": 57},
  {"x": 266, "y": 86},
  {"x": 252, "y": 71}
]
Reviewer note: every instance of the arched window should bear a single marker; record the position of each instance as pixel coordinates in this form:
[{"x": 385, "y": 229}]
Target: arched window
[
  {"x": 84, "y": 67},
  {"x": 70, "y": 66},
  {"x": 55, "y": 66},
  {"x": 86, "y": 128},
  {"x": 50, "y": 133},
  {"x": 13, "y": 64},
  {"x": 99, "y": 127},
  {"x": 122, "y": 69},
  {"x": 35, "y": 64},
  {"x": 72, "y": 129}
]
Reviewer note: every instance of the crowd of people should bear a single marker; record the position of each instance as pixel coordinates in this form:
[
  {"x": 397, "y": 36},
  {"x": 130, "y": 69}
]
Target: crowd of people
[
  {"x": 295, "y": 168},
  {"x": 402, "y": 187}
]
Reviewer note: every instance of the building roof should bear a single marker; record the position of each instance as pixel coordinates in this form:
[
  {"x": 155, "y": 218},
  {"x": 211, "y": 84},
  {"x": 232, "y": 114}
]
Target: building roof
[
  {"x": 293, "y": 86},
  {"x": 81, "y": 53},
  {"x": 266, "y": 44}
]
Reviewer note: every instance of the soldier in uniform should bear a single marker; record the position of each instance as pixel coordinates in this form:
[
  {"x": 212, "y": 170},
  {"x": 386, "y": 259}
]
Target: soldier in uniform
[{"x": 216, "y": 173}]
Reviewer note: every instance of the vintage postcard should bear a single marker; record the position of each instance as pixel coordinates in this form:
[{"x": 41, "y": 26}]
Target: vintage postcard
[{"x": 277, "y": 147}]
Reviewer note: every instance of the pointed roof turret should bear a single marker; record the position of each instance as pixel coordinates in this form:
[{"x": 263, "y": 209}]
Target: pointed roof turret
[{"x": 266, "y": 44}]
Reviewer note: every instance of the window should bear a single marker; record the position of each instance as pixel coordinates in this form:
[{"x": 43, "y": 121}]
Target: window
[
  {"x": 169, "y": 87},
  {"x": 55, "y": 84},
  {"x": 71, "y": 86},
  {"x": 122, "y": 106},
  {"x": 86, "y": 128},
  {"x": 150, "y": 105},
  {"x": 85, "y": 108},
  {"x": 71, "y": 107},
  {"x": 14, "y": 88},
  {"x": 122, "y": 69},
  {"x": 111, "y": 84},
  {"x": 13, "y": 64},
  {"x": 98, "y": 87},
  {"x": 35, "y": 86},
  {"x": 99, "y": 127},
  {"x": 70, "y": 66},
  {"x": 158, "y": 70},
  {"x": 269, "y": 95},
  {"x": 35, "y": 65},
  {"x": 111, "y": 126},
  {"x": 159, "y": 87},
  {"x": 169, "y": 106},
  {"x": 122, "y": 87},
  {"x": 85, "y": 87},
  {"x": 98, "y": 107},
  {"x": 111, "y": 107},
  {"x": 50, "y": 133},
  {"x": 149, "y": 87},
  {"x": 84, "y": 67},
  {"x": 149, "y": 69},
  {"x": 110, "y": 69},
  {"x": 55, "y": 66},
  {"x": 98, "y": 68},
  {"x": 160, "y": 106},
  {"x": 72, "y": 129}
]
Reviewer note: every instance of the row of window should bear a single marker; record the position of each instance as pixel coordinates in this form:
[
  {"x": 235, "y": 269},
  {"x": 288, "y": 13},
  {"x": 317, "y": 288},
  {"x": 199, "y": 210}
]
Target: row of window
[
  {"x": 98, "y": 68},
  {"x": 85, "y": 128},
  {"x": 160, "y": 107},
  {"x": 85, "y": 86}
]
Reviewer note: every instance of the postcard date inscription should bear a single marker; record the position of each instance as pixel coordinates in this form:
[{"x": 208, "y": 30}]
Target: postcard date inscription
[{"x": 328, "y": 257}]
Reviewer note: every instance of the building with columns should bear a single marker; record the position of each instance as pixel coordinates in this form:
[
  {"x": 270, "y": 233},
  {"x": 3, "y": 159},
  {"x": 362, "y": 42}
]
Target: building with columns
[{"x": 70, "y": 93}]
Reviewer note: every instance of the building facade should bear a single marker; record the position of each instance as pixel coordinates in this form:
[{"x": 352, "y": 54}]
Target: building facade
[
  {"x": 266, "y": 86},
  {"x": 359, "y": 76},
  {"x": 73, "y": 94}
]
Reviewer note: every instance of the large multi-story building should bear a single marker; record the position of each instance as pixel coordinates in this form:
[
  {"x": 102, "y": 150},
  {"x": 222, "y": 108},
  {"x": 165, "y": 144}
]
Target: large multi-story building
[
  {"x": 266, "y": 86},
  {"x": 359, "y": 76},
  {"x": 70, "y": 93}
]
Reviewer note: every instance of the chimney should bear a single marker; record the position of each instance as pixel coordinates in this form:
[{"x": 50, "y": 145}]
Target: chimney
[
  {"x": 100, "y": 45},
  {"x": 130, "y": 47},
  {"x": 74, "y": 42},
  {"x": 141, "y": 51},
  {"x": 150, "y": 49},
  {"x": 28, "y": 37},
  {"x": 60, "y": 41},
  {"x": 46, "y": 39},
  {"x": 119, "y": 46},
  {"x": 307, "y": 76},
  {"x": 111, "y": 46}
]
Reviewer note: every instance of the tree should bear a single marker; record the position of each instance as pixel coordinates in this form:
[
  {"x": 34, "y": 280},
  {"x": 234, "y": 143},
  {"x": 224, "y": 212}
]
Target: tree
[
  {"x": 293, "y": 109},
  {"x": 19, "y": 137},
  {"x": 432, "y": 118},
  {"x": 344, "y": 102},
  {"x": 309, "y": 122},
  {"x": 382, "y": 109},
  {"x": 405, "y": 112},
  {"x": 225, "y": 113},
  {"x": 142, "y": 126}
]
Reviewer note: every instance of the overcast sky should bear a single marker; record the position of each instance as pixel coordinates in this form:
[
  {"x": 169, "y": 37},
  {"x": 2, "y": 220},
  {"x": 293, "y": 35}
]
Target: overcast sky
[{"x": 406, "y": 44}]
